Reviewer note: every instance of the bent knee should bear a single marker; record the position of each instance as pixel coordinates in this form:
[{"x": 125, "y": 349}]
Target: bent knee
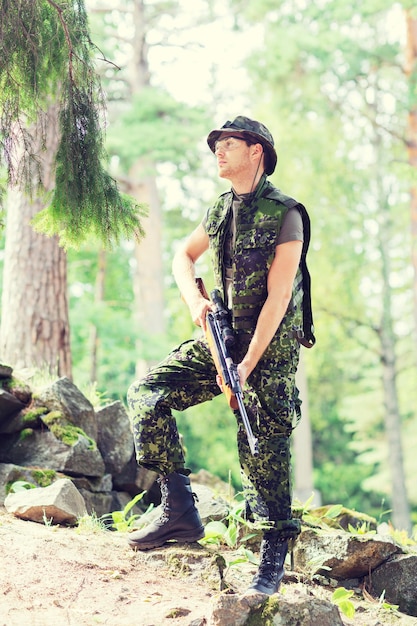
[{"x": 143, "y": 397}]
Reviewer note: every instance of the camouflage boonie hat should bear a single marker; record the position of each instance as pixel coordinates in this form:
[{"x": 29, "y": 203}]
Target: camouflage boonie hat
[{"x": 251, "y": 129}]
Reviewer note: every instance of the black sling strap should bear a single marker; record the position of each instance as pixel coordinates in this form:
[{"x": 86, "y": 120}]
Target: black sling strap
[{"x": 308, "y": 339}]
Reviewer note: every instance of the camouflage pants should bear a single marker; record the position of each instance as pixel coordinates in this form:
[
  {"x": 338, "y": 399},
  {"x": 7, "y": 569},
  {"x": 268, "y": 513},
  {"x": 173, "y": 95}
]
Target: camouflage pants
[{"x": 188, "y": 377}]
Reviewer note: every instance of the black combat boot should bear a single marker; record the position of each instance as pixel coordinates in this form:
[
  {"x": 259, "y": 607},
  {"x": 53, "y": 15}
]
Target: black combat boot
[
  {"x": 179, "y": 519},
  {"x": 274, "y": 549}
]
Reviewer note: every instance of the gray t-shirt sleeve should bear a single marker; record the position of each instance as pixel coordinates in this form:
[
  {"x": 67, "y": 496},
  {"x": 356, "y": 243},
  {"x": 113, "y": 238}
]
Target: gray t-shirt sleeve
[{"x": 292, "y": 227}]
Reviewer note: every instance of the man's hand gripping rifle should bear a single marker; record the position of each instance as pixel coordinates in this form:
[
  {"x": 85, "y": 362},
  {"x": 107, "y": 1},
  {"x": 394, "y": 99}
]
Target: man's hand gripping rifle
[{"x": 220, "y": 338}]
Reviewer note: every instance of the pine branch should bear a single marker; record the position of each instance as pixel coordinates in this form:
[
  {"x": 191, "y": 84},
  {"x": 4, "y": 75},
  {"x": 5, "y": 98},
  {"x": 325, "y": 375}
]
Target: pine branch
[{"x": 46, "y": 55}]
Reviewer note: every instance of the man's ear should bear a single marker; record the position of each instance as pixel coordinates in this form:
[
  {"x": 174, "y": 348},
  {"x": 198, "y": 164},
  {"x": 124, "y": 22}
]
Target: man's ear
[{"x": 257, "y": 150}]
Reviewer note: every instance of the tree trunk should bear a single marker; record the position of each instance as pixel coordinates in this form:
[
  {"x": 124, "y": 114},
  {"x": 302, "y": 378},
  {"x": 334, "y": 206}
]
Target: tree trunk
[
  {"x": 98, "y": 299},
  {"x": 411, "y": 72},
  {"x": 392, "y": 416},
  {"x": 34, "y": 330},
  {"x": 303, "y": 446},
  {"x": 148, "y": 275},
  {"x": 393, "y": 424}
]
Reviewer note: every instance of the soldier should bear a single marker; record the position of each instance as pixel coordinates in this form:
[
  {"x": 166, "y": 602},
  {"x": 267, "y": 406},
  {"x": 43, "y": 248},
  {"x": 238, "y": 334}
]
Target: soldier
[{"x": 258, "y": 239}]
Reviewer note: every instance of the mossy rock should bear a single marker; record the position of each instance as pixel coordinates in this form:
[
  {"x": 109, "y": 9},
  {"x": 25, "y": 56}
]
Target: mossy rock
[
  {"x": 335, "y": 516},
  {"x": 34, "y": 476},
  {"x": 65, "y": 431},
  {"x": 18, "y": 389}
]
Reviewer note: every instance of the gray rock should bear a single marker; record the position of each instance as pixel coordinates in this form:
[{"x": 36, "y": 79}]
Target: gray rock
[
  {"x": 341, "y": 555},
  {"x": 5, "y": 371},
  {"x": 97, "y": 504},
  {"x": 43, "y": 449},
  {"x": 15, "y": 423},
  {"x": 114, "y": 439},
  {"x": 65, "y": 397},
  {"x": 102, "y": 484},
  {"x": 126, "y": 479},
  {"x": 9, "y": 405},
  {"x": 60, "y": 503},
  {"x": 397, "y": 580},
  {"x": 36, "y": 476},
  {"x": 210, "y": 506},
  {"x": 256, "y": 608}
]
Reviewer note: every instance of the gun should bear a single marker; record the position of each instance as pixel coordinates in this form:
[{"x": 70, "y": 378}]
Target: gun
[{"x": 220, "y": 337}]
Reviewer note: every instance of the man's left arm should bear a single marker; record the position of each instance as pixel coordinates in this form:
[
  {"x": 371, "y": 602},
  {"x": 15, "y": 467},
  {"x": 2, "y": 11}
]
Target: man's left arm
[{"x": 280, "y": 281}]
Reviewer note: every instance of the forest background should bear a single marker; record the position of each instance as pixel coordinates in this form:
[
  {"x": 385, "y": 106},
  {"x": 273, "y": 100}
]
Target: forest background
[{"x": 337, "y": 87}]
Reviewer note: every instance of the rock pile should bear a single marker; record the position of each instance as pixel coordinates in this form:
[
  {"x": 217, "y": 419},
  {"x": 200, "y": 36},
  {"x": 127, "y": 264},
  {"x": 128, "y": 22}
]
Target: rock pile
[{"x": 56, "y": 433}]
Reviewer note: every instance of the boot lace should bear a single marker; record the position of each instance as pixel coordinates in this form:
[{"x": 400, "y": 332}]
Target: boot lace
[
  {"x": 164, "y": 517},
  {"x": 271, "y": 558}
]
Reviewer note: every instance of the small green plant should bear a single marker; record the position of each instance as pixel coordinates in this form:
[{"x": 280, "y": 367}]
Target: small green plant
[
  {"x": 400, "y": 536},
  {"x": 228, "y": 531},
  {"x": 383, "y": 512},
  {"x": 341, "y": 598},
  {"x": 19, "y": 485},
  {"x": 235, "y": 529},
  {"x": 215, "y": 533},
  {"x": 302, "y": 508},
  {"x": 363, "y": 529},
  {"x": 121, "y": 521},
  {"x": 243, "y": 555},
  {"x": 97, "y": 398},
  {"x": 386, "y": 606},
  {"x": 90, "y": 523},
  {"x": 47, "y": 521}
]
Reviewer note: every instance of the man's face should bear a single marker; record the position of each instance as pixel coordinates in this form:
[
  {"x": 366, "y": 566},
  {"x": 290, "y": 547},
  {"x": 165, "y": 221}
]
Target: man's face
[{"x": 232, "y": 155}]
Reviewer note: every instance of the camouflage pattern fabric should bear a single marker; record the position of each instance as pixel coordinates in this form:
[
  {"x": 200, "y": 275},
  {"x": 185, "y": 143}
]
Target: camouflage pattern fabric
[{"x": 188, "y": 377}]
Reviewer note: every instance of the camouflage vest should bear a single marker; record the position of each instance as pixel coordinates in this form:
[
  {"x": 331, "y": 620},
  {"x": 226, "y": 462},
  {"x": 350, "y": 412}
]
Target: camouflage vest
[{"x": 258, "y": 225}]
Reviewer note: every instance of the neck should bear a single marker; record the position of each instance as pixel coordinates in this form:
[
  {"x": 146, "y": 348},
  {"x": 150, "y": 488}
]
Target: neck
[{"x": 246, "y": 184}]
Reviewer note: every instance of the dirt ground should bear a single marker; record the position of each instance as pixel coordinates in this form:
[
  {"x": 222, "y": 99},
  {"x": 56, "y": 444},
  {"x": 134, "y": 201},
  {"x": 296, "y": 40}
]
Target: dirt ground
[{"x": 51, "y": 575}]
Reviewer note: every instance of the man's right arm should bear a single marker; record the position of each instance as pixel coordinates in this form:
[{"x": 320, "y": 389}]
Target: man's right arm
[{"x": 183, "y": 268}]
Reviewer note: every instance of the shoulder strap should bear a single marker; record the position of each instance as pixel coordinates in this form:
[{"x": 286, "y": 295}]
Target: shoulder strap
[{"x": 308, "y": 340}]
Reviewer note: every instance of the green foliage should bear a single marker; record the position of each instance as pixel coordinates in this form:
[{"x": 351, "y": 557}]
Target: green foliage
[
  {"x": 209, "y": 432},
  {"x": 159, "y": 129},
  {"x": 234, "y": 530},
  {"x": 97, "y": 398},
  {"x": 30, "y": 66},
  {"x": 341, "y": 598},
  {"x": 386, "y": 606},
  {"x": 43, "y": 477},
  {"x": 65, "y": 431},
  {"x": 90, "y": 524},
  {"x": 112, "y": 317},
  {"x": 19, "y": 485},
  {"x": 122, "y": 521},
  {"x": 45, "y": 56}
]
